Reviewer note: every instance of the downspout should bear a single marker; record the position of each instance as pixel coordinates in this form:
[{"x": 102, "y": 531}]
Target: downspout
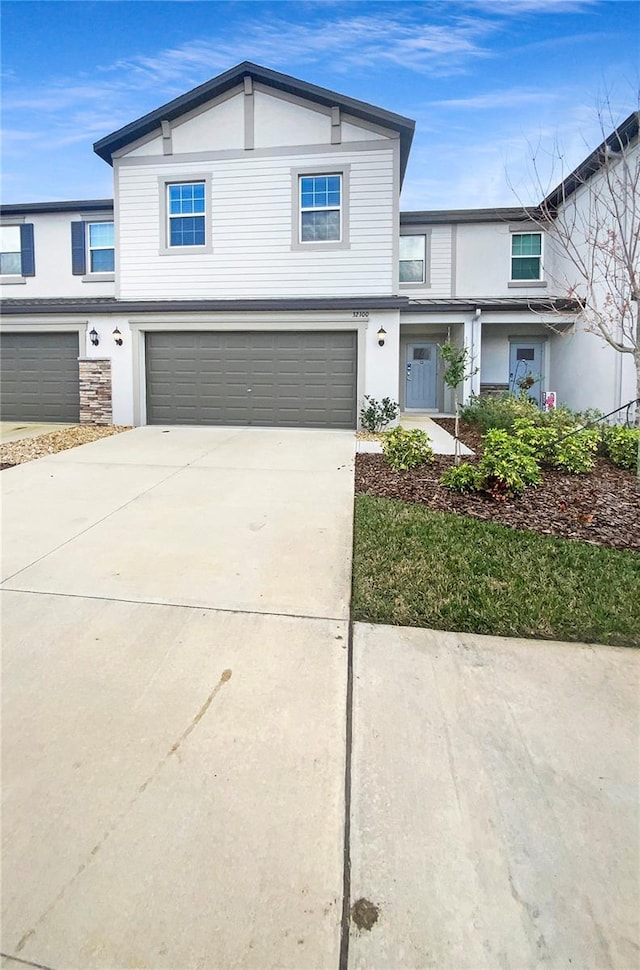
[{"x": 474, "y": 349}]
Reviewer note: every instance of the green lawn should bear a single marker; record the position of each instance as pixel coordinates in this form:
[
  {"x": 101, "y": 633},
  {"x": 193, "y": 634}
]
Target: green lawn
[{"x": 415, "y": 567}]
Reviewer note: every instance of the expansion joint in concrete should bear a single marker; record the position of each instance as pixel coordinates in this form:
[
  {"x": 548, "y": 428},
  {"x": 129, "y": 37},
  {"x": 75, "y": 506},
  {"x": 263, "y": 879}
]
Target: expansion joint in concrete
[{"x": 346, "y": 872}]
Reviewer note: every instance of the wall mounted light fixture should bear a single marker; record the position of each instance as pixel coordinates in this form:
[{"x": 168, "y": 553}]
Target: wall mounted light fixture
[
  {"x": 93, "y": 337},
  {"x": 382, "y": 333},
  {"x": 117, "y": 336}
]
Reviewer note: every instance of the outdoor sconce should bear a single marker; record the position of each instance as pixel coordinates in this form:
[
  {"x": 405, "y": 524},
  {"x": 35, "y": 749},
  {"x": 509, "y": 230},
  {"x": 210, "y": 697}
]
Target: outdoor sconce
[
  {"x": 381, "y": 334},
  {"x": 93, "y": 337},
  {"x": 117, "y": 336}
]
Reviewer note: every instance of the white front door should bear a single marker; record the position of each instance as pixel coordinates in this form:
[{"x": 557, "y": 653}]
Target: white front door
[{"x": 421, "y": 380}]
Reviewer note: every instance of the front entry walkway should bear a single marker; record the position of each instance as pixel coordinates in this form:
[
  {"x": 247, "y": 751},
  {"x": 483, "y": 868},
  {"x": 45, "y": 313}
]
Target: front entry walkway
[{"x": 442, "y": 442}]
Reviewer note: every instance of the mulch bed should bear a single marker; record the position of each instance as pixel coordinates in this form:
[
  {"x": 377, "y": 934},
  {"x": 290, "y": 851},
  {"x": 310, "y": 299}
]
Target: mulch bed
[{"x": 602, "y": 507}]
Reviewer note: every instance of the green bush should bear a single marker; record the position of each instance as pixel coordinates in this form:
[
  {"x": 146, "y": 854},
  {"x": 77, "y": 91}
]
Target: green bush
[
  {"x": 404, "y": 449},
  {"x": 576, "y": 453},
  {"x": 464, "y": 478},
  {"x": 559, "y": 442},
  {"x": 508, "y": 464},
  {"x": 621, "y": 446},
  {"x": 489, "y": 411},
  {"x": 376, "y": 415}
]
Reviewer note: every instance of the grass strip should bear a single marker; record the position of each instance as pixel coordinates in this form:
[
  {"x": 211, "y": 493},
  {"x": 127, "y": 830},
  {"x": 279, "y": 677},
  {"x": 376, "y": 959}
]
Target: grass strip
[{"x": 416, "y": 567}]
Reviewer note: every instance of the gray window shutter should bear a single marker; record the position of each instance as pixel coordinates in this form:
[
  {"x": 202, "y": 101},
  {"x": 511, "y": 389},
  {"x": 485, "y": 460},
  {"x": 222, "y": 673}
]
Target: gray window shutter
[
  {"x": 28, "y": 261},
  {"x": 78, "y": 250}
]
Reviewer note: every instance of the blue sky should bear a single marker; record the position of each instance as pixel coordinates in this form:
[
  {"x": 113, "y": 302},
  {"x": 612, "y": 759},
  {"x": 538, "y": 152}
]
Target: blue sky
[{"x": 489, "y": 83}]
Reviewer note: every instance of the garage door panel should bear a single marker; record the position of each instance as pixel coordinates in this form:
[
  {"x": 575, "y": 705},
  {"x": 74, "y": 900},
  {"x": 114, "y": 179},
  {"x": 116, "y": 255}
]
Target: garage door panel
[
  {"x": 39, "y": 377},
  {"x": 274, "y": 378}
]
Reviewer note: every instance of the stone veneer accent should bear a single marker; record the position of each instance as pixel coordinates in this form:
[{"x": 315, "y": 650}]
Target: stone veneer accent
[{"x": 95, "y": 391}]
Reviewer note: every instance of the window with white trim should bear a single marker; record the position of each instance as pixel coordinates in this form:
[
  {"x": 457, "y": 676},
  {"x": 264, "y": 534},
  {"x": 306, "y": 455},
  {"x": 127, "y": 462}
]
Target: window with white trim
[
  {"x": 10, "y": 251},
  {"x": 413, "y": 259},
  {"x": 526, "y": 256},
  {"x": 100, "y": 243},
  {"x": 320, "y": 208},
  {"x": 186, "y": 208}
]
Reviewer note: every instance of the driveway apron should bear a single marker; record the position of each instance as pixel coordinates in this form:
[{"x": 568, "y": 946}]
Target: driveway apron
[{"x": 175, "y": 626}]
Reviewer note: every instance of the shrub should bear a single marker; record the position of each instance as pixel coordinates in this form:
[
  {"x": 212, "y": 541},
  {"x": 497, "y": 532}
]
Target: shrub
[
  {"x": 488, "y": 411},
  {"x": 376, "y": 415},
  {"x": 558, "y": 442},
  {"x": 621, "y": 446},
  {"x": 541, "y": 438},
  {"x": 464, "y": 478},
  {"x": 404, "y": 449},
  {"x": 508, "y": 464},
  {"x": 576, "y": 452}
]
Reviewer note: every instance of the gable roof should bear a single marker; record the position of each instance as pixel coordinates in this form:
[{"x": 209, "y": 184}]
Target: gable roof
[
  {"x": 106, "y": 146},
  {"x": 620, "y": 138}
]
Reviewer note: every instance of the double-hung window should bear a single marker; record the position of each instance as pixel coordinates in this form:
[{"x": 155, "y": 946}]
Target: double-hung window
[
  {"x": 526, "y": 256},
  {"x": 320, "y": 208},
  {"x": 413, "y": 259},
  {"x": 17, "y": 257},
  {"x": 101, "y": 247},
  {"x": 186, "y": 214},
  {"x": 10, "y": 251},
  {"x": 93, "y": 248}
]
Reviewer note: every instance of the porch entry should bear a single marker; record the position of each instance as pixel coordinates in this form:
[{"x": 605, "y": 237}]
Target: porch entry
[
  {"x": 421, "y": 374},
  {"x": 526, "y": 359}
]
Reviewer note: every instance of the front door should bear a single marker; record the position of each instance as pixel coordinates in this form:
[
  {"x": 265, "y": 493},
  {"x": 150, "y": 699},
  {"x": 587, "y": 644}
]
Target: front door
[
  {"x": 526, "y": 368},
  {"x": 421, "y": 388}
]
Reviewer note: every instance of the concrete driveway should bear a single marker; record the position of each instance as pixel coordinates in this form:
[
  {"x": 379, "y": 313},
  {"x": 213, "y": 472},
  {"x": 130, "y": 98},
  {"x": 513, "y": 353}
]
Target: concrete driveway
[
  {"x": 175, "y": 668},
  {"x": 175, "y": 723}
]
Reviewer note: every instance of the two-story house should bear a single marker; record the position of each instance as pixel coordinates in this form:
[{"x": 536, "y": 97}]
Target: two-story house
[{"x": 254, "y": 268}]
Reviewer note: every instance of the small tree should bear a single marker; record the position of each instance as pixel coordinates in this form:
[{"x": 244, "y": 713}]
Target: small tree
[
  {"x": 457, "y": 360},
  {"x": 593, "y": 223}
]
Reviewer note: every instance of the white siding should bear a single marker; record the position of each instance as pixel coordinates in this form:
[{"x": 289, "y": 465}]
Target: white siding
[
  {"x": 252, "y": 232},
  {"x": 439, "y": 266},
  {"x": 52, "y": 243}
]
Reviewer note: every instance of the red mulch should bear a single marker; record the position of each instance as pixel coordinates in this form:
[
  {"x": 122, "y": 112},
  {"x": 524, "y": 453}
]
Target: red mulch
[{"x": 602, "y": 507}]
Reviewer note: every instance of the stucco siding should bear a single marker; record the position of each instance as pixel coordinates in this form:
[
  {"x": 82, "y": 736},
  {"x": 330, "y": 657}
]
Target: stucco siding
[
  {"x": 52, "y": 248},
  {"x": 251, "y": 206},
  {"x": 218, "y": 128},
  {"x": 279, "y": 122},
  {"x": 483, "y": 263}
]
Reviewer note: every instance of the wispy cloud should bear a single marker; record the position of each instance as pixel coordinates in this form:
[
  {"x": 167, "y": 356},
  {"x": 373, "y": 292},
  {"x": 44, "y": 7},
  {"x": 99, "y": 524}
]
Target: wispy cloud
[
  {"x": 516, "y": 8},
  {"x": 496, "y": 100},
  {"x": 403, "y": 40}
]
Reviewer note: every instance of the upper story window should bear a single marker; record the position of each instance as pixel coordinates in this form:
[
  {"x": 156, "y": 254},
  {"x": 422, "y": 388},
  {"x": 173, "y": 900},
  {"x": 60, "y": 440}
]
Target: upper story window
[
  {"x": 17, "y": 255},
  {"x": 186, "y": 208},
  {"x": 10, "y": 251},
  {"x": 526, "y": 256},
  {"x": 320, "y": 208},
  {"x": 415, "y": 256},
  {"x": 93, "y": 248},
  {"x": 101, "y": 247},
  {"x": 413, "y": 259}
]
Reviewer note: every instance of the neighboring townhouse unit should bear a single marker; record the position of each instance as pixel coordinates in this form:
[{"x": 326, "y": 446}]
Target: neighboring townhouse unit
[{"x": 254, "y": 268}]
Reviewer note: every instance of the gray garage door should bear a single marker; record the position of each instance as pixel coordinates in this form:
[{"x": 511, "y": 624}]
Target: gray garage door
[
  {"x": 39, "y": 377},
  {"x": 275, "y": 379}
]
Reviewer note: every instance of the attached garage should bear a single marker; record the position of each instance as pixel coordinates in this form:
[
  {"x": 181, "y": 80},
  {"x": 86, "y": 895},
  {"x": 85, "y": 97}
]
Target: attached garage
[
  {"x": 39, "y": 378},
  {"x": 262, "y": 378}
]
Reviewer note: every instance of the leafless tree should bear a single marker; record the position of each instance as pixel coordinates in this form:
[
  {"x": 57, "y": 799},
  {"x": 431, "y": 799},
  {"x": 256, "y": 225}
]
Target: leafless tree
[{"x": 592, "y": 222}]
